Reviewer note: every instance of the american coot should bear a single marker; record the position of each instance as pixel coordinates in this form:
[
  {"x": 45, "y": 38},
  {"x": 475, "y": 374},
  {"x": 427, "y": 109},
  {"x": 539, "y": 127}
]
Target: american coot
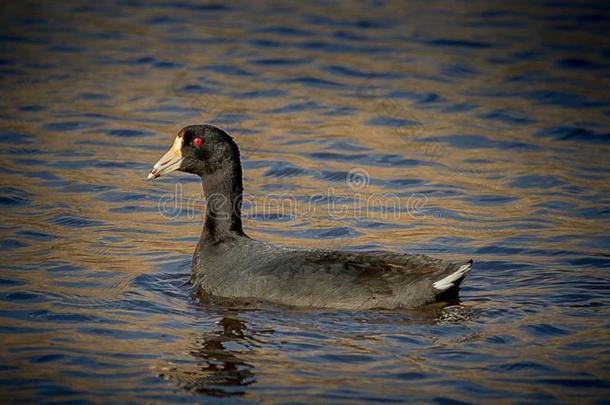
[{"x": 227, "y": 263}]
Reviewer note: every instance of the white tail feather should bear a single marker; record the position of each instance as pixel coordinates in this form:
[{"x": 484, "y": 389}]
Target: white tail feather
[{"x": 447, "y": 282}]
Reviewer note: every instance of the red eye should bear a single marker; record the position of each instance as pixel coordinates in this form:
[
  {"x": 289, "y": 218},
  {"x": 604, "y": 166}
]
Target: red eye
[{"x": 197, "y": 142}]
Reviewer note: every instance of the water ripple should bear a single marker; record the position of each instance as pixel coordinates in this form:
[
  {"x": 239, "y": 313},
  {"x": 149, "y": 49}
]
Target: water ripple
[{"x": 482, "y": 132}]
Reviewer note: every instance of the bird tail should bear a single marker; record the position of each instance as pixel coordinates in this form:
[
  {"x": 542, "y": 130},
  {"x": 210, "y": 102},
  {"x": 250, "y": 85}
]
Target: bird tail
[{"x": 451, "y": 281}]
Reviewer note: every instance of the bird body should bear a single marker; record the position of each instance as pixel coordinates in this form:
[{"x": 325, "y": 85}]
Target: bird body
[
  {"x": 227, "y": 263},
  {"x": 247, "y": 268}
]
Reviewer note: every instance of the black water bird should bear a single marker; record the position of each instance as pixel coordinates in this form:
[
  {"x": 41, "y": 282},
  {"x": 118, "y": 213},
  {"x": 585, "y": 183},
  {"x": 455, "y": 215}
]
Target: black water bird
[{"x": 227, "y": 263}]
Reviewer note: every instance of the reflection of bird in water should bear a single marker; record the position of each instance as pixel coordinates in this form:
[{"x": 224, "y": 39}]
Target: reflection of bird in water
[{"x": 218, "y": 371}]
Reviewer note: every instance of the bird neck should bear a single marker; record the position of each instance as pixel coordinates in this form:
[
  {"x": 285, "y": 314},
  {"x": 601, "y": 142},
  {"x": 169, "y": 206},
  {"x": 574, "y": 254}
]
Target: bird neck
[{"x": 223, "y": 193}]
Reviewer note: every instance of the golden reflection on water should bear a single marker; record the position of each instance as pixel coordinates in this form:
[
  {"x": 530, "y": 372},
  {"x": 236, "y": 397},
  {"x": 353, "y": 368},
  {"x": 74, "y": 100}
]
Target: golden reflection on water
[{"x": 133, "y": 316}]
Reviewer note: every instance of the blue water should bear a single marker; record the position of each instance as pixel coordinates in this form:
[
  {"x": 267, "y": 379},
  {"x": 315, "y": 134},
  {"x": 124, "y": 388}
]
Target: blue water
[{"x": 455, "y": 129}]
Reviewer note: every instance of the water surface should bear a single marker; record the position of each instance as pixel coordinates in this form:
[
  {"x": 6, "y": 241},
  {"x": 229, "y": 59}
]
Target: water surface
[{"x": 470, "y": 130}]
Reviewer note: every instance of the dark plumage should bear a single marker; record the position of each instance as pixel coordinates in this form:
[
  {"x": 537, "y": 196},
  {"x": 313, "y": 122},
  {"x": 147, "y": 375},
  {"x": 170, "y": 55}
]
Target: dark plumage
[{"x": 227, "y": 263}]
